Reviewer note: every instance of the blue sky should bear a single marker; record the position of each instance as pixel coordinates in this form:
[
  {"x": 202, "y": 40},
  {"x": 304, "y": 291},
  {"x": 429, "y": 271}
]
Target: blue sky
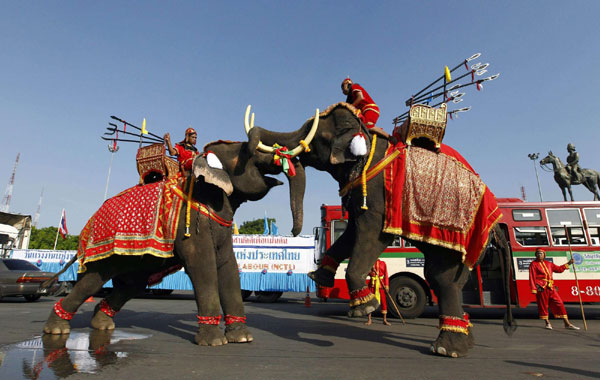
[{"x": 67, "y": 66}]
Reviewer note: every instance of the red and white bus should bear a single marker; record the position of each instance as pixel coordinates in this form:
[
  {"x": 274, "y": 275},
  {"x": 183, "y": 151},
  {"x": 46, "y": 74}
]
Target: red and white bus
[{"x": 528, "y": 225}]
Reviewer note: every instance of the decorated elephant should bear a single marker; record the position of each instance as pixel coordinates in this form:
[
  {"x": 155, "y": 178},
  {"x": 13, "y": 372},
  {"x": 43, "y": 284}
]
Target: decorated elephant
[
  {"x": 391, "y": 189},
  {"x": 159, "y": 227}
]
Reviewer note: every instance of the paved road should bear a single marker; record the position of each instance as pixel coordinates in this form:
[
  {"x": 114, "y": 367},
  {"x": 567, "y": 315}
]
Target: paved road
[{"x": 154, "y": 338}]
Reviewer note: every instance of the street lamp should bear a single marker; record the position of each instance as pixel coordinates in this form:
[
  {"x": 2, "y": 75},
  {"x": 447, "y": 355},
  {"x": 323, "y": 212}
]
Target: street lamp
[
  {"x": 112, "y": 149},
  {"x": 533, "y": 157}
]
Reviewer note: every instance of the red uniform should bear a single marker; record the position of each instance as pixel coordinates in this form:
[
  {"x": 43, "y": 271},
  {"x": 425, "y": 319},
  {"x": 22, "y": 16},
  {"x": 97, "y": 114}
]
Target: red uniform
[
  {"x": 185, "y": 155},
  {"x": 540, "y": 275},
  {"x": 368, "y": 108},
  {"x": 376, "y": 287}
]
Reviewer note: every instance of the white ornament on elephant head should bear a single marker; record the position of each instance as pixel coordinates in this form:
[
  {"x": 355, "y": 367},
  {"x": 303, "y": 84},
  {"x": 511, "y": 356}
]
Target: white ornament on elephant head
[
  {"x": 358, "y": 145},
  {"x": 213, "y": 161}
]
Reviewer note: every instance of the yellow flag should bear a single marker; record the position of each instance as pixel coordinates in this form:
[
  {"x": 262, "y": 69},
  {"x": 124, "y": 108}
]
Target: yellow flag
[
  {"x": 144, "y": 130},
  {"x": 235, "y": 229},
  {"x": 447, "y": 73}
]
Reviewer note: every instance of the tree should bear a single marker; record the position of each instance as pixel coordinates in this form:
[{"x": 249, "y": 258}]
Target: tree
[
  {"x": 43, "y": 238},
  {"x": 256, "y": 226}
]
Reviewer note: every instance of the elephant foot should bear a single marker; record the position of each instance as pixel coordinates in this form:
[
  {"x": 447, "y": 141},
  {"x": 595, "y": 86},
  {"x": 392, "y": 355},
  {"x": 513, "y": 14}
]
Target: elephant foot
[
  {"x": 322, "y": 277},
  {"x": 56, "y": 325},
  {"x": 101, "y": 321},
  {"x": 451, "y": 344},
  {"x": 364, "y": 309},
  {"x": 210, "y": 335},
  {"x": 238, "y": 333},
  {"x": 54, "y": 342}
]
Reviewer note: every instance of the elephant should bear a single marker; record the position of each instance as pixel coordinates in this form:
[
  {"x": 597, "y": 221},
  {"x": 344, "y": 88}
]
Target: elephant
[
  {"x": 364, "y": 239},
  {"x": 207, "y": 254}
]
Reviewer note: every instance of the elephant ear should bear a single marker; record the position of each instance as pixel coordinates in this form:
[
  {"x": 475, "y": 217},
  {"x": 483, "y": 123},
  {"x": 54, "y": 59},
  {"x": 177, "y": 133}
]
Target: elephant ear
[{"x": 213, "y": 173}]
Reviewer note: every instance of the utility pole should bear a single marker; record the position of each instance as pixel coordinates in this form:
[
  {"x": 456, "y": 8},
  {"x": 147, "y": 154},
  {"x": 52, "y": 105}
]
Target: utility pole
[
  {"x": 37, "y": 213},
  {"x": 9, "y": 189},
  {"x": 533, "y": 157}
]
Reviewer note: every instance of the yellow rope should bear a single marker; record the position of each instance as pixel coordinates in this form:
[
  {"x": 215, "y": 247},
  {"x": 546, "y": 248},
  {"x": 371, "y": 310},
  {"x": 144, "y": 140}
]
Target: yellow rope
[
  {"x": 189, "y": 207},
  {"x": 305, "y": 146},
  {"x": 364, "y": 173}
]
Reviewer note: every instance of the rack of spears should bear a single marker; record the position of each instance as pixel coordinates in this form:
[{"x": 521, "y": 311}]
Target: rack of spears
[
  {"x": 152, "y": 162},
  {"x": 425, "y": 120}
]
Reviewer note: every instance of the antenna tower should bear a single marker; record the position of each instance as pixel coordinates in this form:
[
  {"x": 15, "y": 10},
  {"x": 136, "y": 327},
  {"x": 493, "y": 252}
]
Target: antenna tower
[
  {"x": 8, "y": 194},
  {"x": 523, "y": 196},
  {"x": 37, "y": 213}
]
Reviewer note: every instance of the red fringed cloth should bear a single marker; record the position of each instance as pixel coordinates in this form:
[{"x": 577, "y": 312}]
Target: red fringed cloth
[
  {"x": 438, "y": 199},
  {"x": 141, "y": 220}
]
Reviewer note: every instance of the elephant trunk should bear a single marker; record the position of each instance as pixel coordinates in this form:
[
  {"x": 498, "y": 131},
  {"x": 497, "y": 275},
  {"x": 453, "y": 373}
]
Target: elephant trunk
[{"x": 297, "y": 188}]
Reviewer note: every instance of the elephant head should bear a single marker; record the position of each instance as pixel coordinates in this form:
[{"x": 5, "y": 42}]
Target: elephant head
[
  {"x": 330, "y": 138},
  {"x": 241, "y": 171}
]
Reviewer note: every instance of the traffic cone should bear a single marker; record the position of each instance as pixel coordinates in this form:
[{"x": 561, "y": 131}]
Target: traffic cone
[
  {"x": 307, "y": 302},
  {"x": 91, "y": 299}
]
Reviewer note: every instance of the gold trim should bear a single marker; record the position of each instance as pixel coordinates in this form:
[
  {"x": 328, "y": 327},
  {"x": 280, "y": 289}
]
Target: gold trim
[{"x": 374, "y": 171}]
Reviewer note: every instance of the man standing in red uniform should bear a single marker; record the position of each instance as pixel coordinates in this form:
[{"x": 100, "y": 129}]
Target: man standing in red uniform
[
  {"x": 542, "y": 285},
  {"x": 369, "y": 111},
  {"x": 379, "y": 281},
  {"x": 184, "y": 150}
]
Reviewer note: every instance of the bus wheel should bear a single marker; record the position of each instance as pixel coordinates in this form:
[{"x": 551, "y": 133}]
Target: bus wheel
[
  {"x": 267, "y": 297},
  {"x": 408, "y": 295},
  {"x": 246, "y": 294}
]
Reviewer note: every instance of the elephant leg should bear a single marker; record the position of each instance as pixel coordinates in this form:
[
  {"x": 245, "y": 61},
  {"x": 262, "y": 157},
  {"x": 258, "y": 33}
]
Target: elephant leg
[
  {"x": 230, "y": 295},
  {"x": 367, "y": 248},
  {"x": 199, "y": 258},
  {"x": 125, "y": 287},
  {"x": 58, "y": 321},
  {"x": 338, "y": 252},
  {"x": 447, "y": 276}
]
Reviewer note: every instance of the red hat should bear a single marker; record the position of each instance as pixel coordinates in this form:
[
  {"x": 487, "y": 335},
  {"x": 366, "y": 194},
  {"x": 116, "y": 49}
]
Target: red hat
[
  {"x": 540, "y": 250},
  {"x": 189, "y": 131},
  {"x": 347, "y": 80}
]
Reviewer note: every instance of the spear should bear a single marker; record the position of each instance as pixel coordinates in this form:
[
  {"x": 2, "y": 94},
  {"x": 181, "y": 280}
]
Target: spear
[
  {"x": 113, "y": 130},
  {"x": 576, "y": 280},
  {"x": 464, "y": 62},
  {"x": 127, "y": 140},
  {"x": 134, "y": 126},
  {"x": 471, "y": 72}
]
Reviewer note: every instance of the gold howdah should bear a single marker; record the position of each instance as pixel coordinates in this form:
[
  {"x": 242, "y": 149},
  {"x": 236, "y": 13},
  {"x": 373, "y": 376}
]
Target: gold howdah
[
  {"x": 425, "y": 121},
  {"x": 152, "y": 159}
]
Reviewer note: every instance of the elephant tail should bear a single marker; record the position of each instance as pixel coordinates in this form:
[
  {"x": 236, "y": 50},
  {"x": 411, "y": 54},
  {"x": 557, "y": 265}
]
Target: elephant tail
[
  {"x": 46, "y": 284},
  {"x": 509, "y": 323}
]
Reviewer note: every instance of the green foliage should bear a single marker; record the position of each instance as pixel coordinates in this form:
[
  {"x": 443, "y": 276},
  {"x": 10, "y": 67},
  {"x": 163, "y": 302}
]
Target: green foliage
[
  {"x": 256, "y": 226},
  {"x": 43, "y": 238}
]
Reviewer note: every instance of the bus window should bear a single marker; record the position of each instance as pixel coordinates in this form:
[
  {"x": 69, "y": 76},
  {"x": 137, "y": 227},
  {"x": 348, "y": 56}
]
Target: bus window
[
  {"x": 571, "y": 218},
  {"x": 527, "y": 236},
  {"x": 338, "y": 228},
  {"x": 526, "y": 215},
  {"x": 592, "y": 215}
]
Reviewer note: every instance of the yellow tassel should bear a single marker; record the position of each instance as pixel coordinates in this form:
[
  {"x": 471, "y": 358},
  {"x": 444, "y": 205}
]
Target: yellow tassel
[
  {"x": 364, "y": 173},
  {"x": 189, "y": 207},
  {"x": 447, "y": 74}
]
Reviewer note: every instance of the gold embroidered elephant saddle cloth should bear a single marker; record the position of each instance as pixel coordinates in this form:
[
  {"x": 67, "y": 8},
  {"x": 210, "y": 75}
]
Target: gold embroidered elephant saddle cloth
[
  {"x": 438, "y": 198},
  {"x": 141, "y": 220}
]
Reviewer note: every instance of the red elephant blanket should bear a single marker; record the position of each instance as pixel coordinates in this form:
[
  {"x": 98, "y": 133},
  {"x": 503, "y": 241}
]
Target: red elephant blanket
[
  {"x": 439, "y": 199},
  {"x": 139, "y": 221}
]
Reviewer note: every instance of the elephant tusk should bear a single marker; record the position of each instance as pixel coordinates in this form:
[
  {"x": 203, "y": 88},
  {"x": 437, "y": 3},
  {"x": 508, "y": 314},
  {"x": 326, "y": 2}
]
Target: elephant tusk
[
  {"x": 311, "y": 134},
  {"x": 248, "y": 126}
]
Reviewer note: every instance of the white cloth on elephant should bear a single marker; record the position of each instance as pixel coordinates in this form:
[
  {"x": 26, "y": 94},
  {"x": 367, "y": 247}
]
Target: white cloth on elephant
[
  {"x": 213, "y": 161},
  {"x": 358, "y": 145}
]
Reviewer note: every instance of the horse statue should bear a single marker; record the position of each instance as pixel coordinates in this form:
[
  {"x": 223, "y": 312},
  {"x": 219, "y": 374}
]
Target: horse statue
[{"x": 588, "y": 178}]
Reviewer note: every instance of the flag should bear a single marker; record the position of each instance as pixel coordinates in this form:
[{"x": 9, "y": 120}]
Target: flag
[
  {"x": 235, "y": 229},
  {"x": 274, "y": 228},
  {"x": 266, "y": 231},
  {"x": 447, "y": 74},
  {"x": 62, "y": 226},
  {"x": 144, "y": 130}
]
